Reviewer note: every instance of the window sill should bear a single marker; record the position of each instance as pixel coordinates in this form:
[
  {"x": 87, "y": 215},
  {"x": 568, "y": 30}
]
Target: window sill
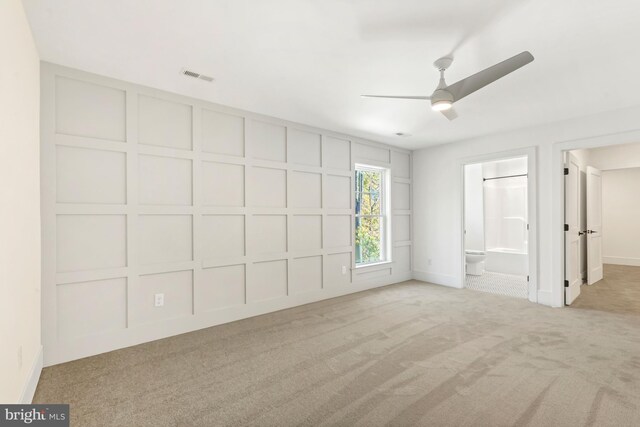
[{"x": 374, "y": 266}]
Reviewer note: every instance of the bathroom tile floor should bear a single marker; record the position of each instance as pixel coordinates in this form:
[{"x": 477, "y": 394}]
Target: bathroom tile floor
[{"x": 498, "y": 283}]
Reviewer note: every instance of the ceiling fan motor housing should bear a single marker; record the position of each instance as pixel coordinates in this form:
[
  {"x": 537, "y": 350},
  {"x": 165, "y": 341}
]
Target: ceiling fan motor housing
[{"x": 441, "y": 97}]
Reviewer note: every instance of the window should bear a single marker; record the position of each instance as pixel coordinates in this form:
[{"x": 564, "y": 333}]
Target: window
[{"x": 371, "y": 215}]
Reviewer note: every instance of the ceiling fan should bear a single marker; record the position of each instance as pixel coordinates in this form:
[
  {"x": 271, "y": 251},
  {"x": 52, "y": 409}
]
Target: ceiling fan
[{"x": 444, "y": 96}]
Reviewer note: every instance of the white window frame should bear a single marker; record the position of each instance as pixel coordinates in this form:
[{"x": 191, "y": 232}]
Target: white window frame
[{"x": 385, "y": 236}]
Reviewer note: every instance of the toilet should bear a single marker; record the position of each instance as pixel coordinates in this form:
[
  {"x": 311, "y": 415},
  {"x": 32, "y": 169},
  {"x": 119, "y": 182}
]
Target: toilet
[{"x": 475, "y": 262}]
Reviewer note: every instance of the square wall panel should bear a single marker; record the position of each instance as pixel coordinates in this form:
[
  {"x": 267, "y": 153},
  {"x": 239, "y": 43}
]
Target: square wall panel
[
  {"x": 177, "y": 288},
  {"x": 90, "y": 176},
  {"x": 306, "y": 233},
  {"x": 304, "y": 147},
  {"x": 306, "y": 190},
  {"x": 306, "y": 274},
  {"x": 401, "y": 165},
  {"x": 402, "y": 259},
  {"x": 165, "y": 238},
  {"x": 401, "y": 228},
  {"x": 164, "y": 180},
  {"x": 91, "y": 308},
  {"x": 337, "y": 192},
  {"x": 268, "y": 234},
  {"x": 401, "y": 196},
  {"x": 337, "y": 231},
  {"x": 337, "y": 270},
  {"x": 222, "y": 287},
  {"x": 91, "y": 242},
  {"x": 222, "y": 236},
  {"x": 164, "y": 123},
  {"x": 268, "y": 188},
  {"x": 268, "y": 280},
  {"x": 222, "y": 133},
  {"x": 222, "y": 184},
  {"x": 268, "y": 142},
  {"x": 336, "y": 153},
  {"x": 369, "y": 152},
  {"x": 90, "y": 110}
]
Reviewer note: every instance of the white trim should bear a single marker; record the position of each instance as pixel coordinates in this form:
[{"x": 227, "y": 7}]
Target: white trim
[
  {"x": 26, "y": 397},
  {"x": 380, "y": 265},
  {"x": 532, "y": 194},
  {"x": 545, "y": 298},
  {"x": 621, "y": 261},
  {"x": 385, "y": 214},
  {"x": 438, "y": 279},
  {"x": 557, "y": 204}
]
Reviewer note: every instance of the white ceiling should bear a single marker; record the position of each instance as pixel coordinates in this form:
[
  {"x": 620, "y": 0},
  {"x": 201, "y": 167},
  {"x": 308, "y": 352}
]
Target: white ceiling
[{"x": 309, "y": 60}]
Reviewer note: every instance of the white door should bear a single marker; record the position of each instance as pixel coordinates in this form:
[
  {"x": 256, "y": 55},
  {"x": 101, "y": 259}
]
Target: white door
[
  {"x": 594, "y": 225},
  {"x": 572, "y": 228}
]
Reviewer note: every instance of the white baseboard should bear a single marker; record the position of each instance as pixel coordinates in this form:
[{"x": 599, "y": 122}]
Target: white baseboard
[
  {"x": 437, "y": 278},
  {"x": 545, "y": 297},
  {"x": 26, "y": 397},
  {"x": 97, "y": 344},
  {"x": 621, "y": 261}
]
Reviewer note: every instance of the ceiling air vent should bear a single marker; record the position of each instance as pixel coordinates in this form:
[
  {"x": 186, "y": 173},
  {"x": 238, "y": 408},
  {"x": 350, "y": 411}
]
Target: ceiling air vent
[{"x": 197, "y": 75}]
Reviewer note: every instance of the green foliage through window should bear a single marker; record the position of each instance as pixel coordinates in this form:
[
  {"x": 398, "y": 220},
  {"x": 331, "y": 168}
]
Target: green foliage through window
[{"x": 369, "y": 215}]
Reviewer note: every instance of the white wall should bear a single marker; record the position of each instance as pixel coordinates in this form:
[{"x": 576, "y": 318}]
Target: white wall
[
  {"x": 229, "y": 214},
  {"x": 474, "y": 208},
  {"x": 438, "y": 194},
  {"x": 620, "y": 181},
  {"x": 620, "y": 215},
  {"x": 20, "y": 349}
]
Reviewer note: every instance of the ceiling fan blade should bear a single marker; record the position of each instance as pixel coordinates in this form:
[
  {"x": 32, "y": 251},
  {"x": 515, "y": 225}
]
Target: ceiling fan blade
[
  {"x": 396, "y": 97},
  {"x": 489, "y": 75},
  {"x": 450, "y": 114}
]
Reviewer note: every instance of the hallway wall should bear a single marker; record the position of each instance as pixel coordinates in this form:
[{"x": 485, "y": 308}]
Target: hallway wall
[
  {"x": 21, "y": 355},
  {"x": 620, "y": 214}
]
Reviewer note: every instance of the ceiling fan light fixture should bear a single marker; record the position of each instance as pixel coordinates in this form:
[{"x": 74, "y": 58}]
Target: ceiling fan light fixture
[
  {"x": 441, "y": 100},
  {"x": 441, "y": 105}
]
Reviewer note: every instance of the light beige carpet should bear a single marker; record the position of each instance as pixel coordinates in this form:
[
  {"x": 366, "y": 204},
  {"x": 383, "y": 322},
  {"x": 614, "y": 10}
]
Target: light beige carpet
[{"x": 406, "y": 354}]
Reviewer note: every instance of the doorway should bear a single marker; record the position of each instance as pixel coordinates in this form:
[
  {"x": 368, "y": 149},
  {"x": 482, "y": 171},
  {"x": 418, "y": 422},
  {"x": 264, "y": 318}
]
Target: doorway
[
  {"x": 600, "y": 223},
  {"x": 496, "y": 227}
]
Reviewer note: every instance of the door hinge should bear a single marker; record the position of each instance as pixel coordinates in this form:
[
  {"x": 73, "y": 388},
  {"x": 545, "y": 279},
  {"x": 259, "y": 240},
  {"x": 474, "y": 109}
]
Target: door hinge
[
  {"x": 566, "y": 283},
  {"x": 527, "y": 278},
  {"x": 566, "y": 171},
  {"x": 527, "y": 226},
  {"x": 566, "y": 227}
]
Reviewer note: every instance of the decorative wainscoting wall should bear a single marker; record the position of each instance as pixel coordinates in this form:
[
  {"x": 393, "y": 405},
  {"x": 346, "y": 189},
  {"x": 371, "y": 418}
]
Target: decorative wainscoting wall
[{"x": 229, "y": 214}]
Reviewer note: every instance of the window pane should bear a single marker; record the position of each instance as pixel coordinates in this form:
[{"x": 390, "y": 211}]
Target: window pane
[
  {"x": 370, "y": 204},
  {"x": 368, "y": 240},
  {"x": 371, "y": 181}
]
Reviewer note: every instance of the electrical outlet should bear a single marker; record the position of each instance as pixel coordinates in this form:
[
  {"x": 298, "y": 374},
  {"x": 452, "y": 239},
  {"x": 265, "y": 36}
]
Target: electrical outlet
[
  {"x": 20, "y": 357},
  {"x": 344, "y": 269},
  {"x": 159, "y": 300}
]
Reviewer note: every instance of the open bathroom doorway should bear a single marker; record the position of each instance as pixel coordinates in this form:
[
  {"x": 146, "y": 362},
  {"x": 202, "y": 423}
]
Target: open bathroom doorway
[{"x": 497, "y": 226}]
